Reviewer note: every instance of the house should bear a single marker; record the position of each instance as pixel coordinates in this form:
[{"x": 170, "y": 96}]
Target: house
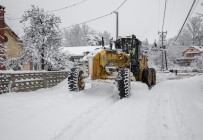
[
  {"x": 193, "y": 51},
  {"x": 189, "y": 55},
  {"x": 77, "y": 53},
  {"x": 10, "y": 44}
]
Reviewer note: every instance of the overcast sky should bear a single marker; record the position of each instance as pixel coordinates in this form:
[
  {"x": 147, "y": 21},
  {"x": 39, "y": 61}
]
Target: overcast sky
[{"x": 143, "y": 18}]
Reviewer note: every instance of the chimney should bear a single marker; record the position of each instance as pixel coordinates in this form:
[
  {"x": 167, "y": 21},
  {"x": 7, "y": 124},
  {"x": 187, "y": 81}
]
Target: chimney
[{"x": 2, "y": 24}]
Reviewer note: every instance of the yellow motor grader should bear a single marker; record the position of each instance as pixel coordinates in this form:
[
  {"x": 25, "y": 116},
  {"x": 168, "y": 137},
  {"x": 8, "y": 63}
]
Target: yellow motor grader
[{"x": 120, "y": 63}]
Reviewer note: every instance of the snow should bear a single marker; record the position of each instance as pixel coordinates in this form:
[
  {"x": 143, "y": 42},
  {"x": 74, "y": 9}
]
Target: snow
[
  {"x": 172, "y": 110},
  {"x": 80, "y": 50},
  {"x": 200, "y": 48}
]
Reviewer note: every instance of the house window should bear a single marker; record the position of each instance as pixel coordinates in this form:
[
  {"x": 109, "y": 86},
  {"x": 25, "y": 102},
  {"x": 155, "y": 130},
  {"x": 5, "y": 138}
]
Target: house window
[{"x": 190, "y": 55}]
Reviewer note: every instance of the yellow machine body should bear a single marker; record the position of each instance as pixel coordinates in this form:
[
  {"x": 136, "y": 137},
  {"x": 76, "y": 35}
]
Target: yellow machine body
[{"x": 107, "y": 58}]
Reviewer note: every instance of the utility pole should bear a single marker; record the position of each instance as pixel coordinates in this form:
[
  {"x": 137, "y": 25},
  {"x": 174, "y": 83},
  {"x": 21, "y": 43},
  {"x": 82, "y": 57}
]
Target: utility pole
[
  {"x": 116, "y": 24},
  {"x": 166, "y": 60},
  {"x": 163, "y": 47}
]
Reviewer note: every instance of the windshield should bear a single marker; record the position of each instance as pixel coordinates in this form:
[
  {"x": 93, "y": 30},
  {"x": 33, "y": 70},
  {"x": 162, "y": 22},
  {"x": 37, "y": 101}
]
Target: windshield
[{"x": 126, "y": 45}]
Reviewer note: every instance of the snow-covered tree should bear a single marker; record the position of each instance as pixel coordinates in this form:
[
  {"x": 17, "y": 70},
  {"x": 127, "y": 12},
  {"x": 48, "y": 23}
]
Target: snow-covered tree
[
  {"x": 191, "y": 34},
  {"x": 76, "y": 36},
  {"x": 107, "y": 36},
  {"x": 93, "y": 40},
  {"x": 195, "y": 28},
  {"x": 83, "y": 36},
  {"x": 42, "y": 38},
  {"x": 3, "y": 57},
  {"x": 154, "y": 55},
  {"x": 198, "y": 64},
  {"x": 73, "y": 37},
  {"x": 11, "y": 63},
  {"x": 185, "y": 38}
]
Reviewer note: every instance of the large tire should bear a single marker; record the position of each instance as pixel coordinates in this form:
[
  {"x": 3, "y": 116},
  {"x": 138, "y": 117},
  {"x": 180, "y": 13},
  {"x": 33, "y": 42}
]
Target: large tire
[
  {"x": 124, "y": 82},
  {"x": 149, "y": 78},
  {"x": 153, "y": 76},
  {"x": 144, "y": 75},
  {"x": 75, "y": 80}
]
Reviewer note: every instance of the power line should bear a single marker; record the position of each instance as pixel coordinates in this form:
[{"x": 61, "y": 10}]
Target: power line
[
  {"x": 158, "y": 16},
  {"x": 185, "y": 20},
  {"x": 194, "y": 8},
  {"x": 53, "y": 10},
  {"x": 67, "y": 6},
  {"x": 97, "y": 17},
  {"x": 169, "y": 25},
  {"x": 88, "y": 20},
  {"x": 164, "y": 14},
  {"x": 120, "y": 6}
]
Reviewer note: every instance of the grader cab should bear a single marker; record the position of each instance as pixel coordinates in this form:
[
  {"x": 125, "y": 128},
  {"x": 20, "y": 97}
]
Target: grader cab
[{"x": 119, "y": 63}]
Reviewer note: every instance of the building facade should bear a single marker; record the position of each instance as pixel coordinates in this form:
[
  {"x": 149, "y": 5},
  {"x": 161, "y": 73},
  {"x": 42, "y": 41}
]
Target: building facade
[
  {"x": 193, "y": 51},
  {"x": 190, "y": 55},
  {"x": 10, "y": 44}
]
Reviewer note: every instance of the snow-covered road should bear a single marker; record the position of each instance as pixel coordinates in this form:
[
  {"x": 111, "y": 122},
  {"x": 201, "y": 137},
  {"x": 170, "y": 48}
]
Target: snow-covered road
[{"x": 172, "y": 110}]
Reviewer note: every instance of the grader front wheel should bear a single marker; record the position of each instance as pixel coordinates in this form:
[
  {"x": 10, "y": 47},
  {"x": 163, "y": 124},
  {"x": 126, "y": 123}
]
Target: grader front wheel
[
  {"x": 124, "y": 82},
  {"x": 75, "y": 80}
]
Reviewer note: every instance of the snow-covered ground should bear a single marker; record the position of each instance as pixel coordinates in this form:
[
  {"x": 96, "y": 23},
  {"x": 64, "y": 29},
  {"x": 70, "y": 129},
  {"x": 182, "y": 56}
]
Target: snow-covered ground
[{"x": 171, "y": 110}]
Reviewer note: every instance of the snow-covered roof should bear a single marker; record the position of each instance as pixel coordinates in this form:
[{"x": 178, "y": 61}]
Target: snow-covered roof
[
  {"x": 92, "y": 54},
  {"x": 80, "y": 50},
  {"x": 198, "y": 47},
  {"x": 186, "y": 58}
]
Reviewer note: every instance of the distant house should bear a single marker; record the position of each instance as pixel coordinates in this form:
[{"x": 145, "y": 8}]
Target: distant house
[
  {"x": 77, "y": 53},
  {"x": 8, "y": 38},
  {"x": 189, "y": 55},
  {"x": 193, "y": 51}
]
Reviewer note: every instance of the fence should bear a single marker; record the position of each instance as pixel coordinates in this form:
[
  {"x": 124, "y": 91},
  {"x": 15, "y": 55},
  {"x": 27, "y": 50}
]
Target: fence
[{"x": 23, "y": 82}]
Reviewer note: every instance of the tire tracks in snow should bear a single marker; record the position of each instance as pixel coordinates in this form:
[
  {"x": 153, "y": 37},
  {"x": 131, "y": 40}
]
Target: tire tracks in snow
[
  {"x": 185, "y": 132},
  {"x": 75, "y": 127},
  {"x": 153, "y": 119},
  {"x": 165, "y": 120}
]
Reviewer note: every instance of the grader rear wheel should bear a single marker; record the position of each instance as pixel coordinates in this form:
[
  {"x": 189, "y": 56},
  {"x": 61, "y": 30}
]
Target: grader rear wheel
[
  {"x": 144, "y": 75},
  {"x": 153, "y": 76},
  {"x": 147, "y": 76},
  {"x": 124, "y": 82},
  {"x": 75, "y": 80}
]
